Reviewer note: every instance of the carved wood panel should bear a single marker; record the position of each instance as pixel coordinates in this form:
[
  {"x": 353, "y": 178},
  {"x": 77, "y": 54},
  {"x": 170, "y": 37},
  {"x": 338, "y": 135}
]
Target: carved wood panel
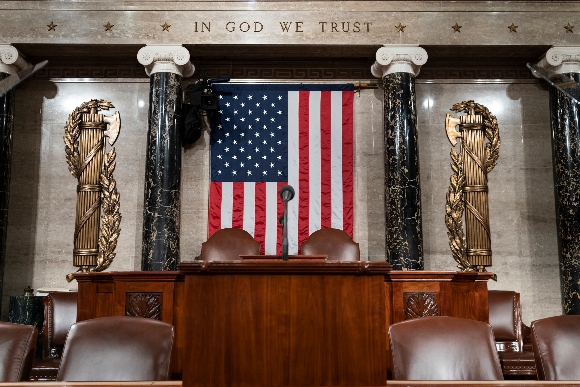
[
  {"x": 420, "y": 305},
  {"x": 144, "y": 305}
]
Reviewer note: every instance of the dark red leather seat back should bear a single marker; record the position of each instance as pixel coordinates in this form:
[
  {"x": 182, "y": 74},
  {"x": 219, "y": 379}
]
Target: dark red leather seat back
[
  {"x": 443, "y": 348},
  {"x": 556, "y": 344},
  {"x": 119, "y": 348},
  {"x": 335, "y": 243},
  {"x": 228, "y": 244},
  {"x": 17, "y": 345}
]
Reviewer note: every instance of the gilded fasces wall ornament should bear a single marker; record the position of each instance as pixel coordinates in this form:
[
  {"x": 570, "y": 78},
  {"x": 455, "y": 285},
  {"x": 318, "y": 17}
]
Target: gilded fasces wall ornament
[
  {"x": 468, "y": 191},
  {"x": 95, "y": 236}
]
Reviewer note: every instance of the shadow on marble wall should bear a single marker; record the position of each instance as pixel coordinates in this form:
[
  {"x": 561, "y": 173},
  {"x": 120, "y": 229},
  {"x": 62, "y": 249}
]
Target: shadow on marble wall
[
  {"x": 24, "y": 196},
  {"x": 539, "y": 202}
]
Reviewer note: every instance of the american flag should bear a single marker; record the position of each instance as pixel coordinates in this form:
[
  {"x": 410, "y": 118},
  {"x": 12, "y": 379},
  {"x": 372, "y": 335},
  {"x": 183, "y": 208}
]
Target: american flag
[{"x": 266, "y": 136}]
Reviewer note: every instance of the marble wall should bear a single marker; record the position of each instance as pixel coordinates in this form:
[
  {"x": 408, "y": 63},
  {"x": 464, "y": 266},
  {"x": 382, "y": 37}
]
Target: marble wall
[{"x": 522, "y": 217}]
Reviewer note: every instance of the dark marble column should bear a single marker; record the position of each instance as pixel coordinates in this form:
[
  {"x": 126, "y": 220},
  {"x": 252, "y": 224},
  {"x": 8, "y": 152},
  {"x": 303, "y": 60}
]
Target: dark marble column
[
  {"x": 564, "y": 121},
  {"x": 398, "y": 67},
  {"x": 161, "y": 209},
  {"x": 6, "y": 128}
]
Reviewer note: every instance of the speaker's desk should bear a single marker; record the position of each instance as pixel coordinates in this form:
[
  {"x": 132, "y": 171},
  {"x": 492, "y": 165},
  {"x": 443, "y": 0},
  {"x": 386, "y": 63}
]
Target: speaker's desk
[{"x": 304, "y": 322}]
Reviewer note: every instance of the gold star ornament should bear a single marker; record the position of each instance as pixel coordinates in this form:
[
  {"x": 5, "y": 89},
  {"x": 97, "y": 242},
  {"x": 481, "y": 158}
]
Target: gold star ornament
[
  {"x": 569, "y": 28},
  {"x": 513, "y": 28},
  {"x": 456, "y": 27},
  {"x": 51, "y": 26},
  {"x": 165, "y": 26},
  {"x": 400, "y": 27},
  {"x": 108, "y": 26}
]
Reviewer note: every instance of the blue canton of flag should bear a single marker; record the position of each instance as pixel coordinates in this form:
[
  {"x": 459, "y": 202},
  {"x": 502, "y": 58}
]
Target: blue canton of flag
[{"x": 249, "y": 141}]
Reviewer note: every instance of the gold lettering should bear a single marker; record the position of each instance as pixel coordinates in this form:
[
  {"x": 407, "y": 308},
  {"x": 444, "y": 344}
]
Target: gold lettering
[
  {"x": 334, "y": 26},
  {"x": 322, "y": 24},
  {"x": 299, "y": 26},
  {"x": 230, "y": 26},
  {"x": 256, "y": 24},
  {"x": 356, "y": 27},
  {"x": 368, "y": 26}
]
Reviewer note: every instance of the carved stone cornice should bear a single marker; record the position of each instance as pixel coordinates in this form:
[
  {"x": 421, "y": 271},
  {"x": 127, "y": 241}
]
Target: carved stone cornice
[
  {"x": 561, "y": 60},
  {"x": 165, "y": 59},
  {"x": 398, "y": 59},
  {"x": 11, "y": 61}
]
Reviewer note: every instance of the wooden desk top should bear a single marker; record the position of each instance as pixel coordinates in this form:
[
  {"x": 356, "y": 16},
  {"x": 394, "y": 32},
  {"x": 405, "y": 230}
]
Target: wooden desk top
[
  {"x": 499, "y": 383},
  {"x": 292, "y": 266},
  {"x": 169, "y": 383}
]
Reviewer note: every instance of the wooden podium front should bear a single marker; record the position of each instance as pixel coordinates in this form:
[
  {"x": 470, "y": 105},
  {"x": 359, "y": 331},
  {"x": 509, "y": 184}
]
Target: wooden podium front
[
  {"x": 266, "y": 322},
  {"x": 294, "y": 323}
]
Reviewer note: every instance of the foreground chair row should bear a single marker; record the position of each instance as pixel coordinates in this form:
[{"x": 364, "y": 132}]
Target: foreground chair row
[
  {"x": 451, "y": 348},
  {"x": 118, "y": 348}
]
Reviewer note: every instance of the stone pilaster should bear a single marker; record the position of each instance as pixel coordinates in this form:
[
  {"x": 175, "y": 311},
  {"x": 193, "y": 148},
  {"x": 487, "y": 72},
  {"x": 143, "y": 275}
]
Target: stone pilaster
[
  {"x": 10, "y": 63},
  {"x": 565, "y": 124},
  {"x": 166, "y": 66},
  {"x": 398, "y": 66}
]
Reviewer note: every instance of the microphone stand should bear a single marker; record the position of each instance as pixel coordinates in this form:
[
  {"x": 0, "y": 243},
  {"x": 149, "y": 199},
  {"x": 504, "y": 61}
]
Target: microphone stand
[{"x": 285, "y": 232}]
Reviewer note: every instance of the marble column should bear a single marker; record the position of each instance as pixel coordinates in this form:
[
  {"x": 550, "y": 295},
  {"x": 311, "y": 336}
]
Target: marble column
[
  {"x": 166, "y": 66},
  {"x": 398, "y": 66},
  {"x": 565, "y": 124},
  {"x": 10, "y": 63}
]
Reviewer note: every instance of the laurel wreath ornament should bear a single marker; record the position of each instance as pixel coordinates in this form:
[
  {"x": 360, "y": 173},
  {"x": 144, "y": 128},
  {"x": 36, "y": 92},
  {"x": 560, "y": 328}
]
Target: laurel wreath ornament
[
  {"x": 111, "y": 215},
  {"x": 455, "y": 204}
]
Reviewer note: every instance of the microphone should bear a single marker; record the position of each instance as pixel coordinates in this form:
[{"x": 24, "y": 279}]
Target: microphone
[{"x": 287, "y": 194}]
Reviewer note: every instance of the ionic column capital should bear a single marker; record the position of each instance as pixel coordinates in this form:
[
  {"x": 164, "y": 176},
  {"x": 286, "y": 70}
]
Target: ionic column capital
[
  {"x": 159, "y": 58},
  {"x": 399, "y": 59},
  {"x": 11, "y": 61},
  {"x": 561, "y": 60}
]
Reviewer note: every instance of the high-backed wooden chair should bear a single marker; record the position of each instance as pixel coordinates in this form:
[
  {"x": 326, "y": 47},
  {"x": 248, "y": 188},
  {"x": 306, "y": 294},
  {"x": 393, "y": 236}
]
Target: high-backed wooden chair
[
  {"x": 60, "y": 313},
  {"x": 17, "y": 346},
  {"x": 335, "y": 243},
  {"x": 556, "y": 344},
  {"x": 118, "y": 348},
  {"x": 443, "y": 348},
  {"x": 505, "y": 318},
  {"x": 228, "y": 244}
]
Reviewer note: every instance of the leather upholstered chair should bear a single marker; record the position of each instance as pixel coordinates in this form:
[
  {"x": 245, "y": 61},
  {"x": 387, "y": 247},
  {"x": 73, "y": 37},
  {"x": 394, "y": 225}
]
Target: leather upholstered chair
[
  {"x": 556, "y": 345},
  {"x": 505, "y": 318},
  {"x": 335, "y": 243},
  {"x": 117, "y": 348},
  {"x": 443, "y": 348},
  {"x": 228, "y": 244},
  {"x": 17, "y": 346},
  {"x": 60, "y": 313}
]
